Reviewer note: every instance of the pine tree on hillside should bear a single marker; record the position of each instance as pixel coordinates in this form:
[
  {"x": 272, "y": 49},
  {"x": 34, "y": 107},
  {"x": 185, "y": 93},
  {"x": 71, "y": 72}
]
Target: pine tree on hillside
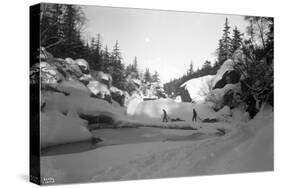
[
  {"x": 116, "y": 54},
  {"x": 135, "y": 67},
  {"x": 147, "y": 75},
  {"x": 226, "y": 39},
  {"x": 236, "y": 40},
  {"x": 190, "y": 70},
  {"x": 224, "y": 50},
  {"x": 72, "y": 44},
  {"x": 221, "y": 57},
  {"x": 132, "y": 69},
  {"x": 97, "y": 53},
  {"x": 50, "y": 24},
  {"x": 207, "y": 68},
  {"x": 106, "y": 59},
  {"x": 155, "y": 77},
  {"x": 117, "y": 68}
]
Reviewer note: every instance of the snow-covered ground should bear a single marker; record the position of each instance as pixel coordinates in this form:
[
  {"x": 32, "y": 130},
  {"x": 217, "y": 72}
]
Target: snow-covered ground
[
  {"x": 85, "y": 138},
  {"x": 247, "y": 147}
]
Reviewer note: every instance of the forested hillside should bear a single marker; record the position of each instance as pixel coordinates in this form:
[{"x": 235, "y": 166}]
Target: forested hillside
[{"x": 252, "y": 53}]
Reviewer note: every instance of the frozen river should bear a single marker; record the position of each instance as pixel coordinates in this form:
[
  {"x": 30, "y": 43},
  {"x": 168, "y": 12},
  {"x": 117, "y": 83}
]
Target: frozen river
[{"x": 121, "y": 136}]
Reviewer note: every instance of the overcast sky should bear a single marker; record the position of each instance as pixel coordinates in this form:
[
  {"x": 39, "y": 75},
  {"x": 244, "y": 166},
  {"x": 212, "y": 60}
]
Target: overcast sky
[{"x": 166, "y": 41}]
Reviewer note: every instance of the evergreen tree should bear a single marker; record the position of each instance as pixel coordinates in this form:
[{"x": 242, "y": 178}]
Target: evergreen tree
[
  {"x": 135, "y": 66},
  {"x": 236, "y": 40},
  {"x": 97, "y": 53},
  {"x": 191, "y": 69},
  {"x": 116, "y": 52},
  {"x": 155, "y": 77},
  {"x": 221, "y": 57},
  {"x": 51, "y": 25},
  {"x": 132, "y": 69},
  {"x": 226, "y": 39},
  {"x": 147, "y": 75},
  {"x": 72, "y": 44},
  {"x": 117, "y": 68},
  {"x": 106, "y": 59},
  {"x": 207, "y": 68},
  {"x": 224, "y": 50}
]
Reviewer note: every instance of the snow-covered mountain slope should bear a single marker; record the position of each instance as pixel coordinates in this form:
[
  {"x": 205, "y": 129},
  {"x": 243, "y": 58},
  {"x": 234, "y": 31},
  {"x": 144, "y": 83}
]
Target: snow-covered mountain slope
[{"x": 198, "y": 88}]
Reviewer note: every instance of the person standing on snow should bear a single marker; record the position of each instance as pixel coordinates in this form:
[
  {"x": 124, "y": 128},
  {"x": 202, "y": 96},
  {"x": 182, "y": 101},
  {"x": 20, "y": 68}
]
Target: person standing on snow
[
  {"x": 194, "y": 117},
  {"x": 165, "y": 119}
]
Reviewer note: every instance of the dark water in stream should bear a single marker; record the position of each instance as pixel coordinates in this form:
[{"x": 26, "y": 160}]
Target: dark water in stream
[{"x": 118, "y": 136}]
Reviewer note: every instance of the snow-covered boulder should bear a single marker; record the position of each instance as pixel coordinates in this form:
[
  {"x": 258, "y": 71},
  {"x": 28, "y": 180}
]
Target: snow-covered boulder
[
  {"x": 84, "y": 107},
  {"x": 84, "y": 65},
  {"x": 118, "y": 95},
  {"x": 229, "y": 77},
  {"x": 70, "y": 61},
  {"x": 103, "y": 78},
  {"x": 49, "y": 73},
  {"x": 226, "y": 75},
  {"x": 226, "y": 66},
  {"x": 198, "y": 88},
  {"x": 184, "y": 95},
  {"x": 229, "y": 95},
  {"x": 178, "y": 99},
  {"x": 74, "y": 65},
  {"x": 44, "y": 54},
  {"x": 137, "y": 82},
  {"x": 67, "y": 119},
  {"x": 225, "y": 112},
  {"x": 54, "y": 70},
  {"x": 57, "y": 128},
  {"x": 116, "y": 90},
  {"x": 99, "y": 90},
  {"x": 74, "y": 87}
]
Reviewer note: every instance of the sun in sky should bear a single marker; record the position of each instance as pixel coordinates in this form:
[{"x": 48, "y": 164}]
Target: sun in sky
[
  {"x": 175, "y": 38},
  {"x": 147, "y": 39}
]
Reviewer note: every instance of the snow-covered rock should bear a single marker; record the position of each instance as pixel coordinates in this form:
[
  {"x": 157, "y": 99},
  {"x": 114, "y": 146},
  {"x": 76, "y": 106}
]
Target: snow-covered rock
[
  {"x": 103, "y": 78},
  {"x": 229, "y": 95},
  {"x": 226, "y": 75},
  {"x": 118, "y": 95},
  {"x": 49, "y": 73},
  {"x": 99, "y": 89},
  {"x": 44, "y": 54},
  {"x": 74, "y": 87},
  {"x": 54, "y": 70},
  {"x": 226, "y": 66},
  {"x": 84, "y": 65},
  {"x": 57, "y": 128},
  {"x": 74, "y": 65},
  {"x": 198, "y": 88},
  {"x": 178, "y": 99},
  {"x": 184, "y": 95},
  {"x": 116, "y": 90},
  {"x": 225, "y": 112},
  {"x": 137, "y": 82},
  {"x": 95, "y": 111}
]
